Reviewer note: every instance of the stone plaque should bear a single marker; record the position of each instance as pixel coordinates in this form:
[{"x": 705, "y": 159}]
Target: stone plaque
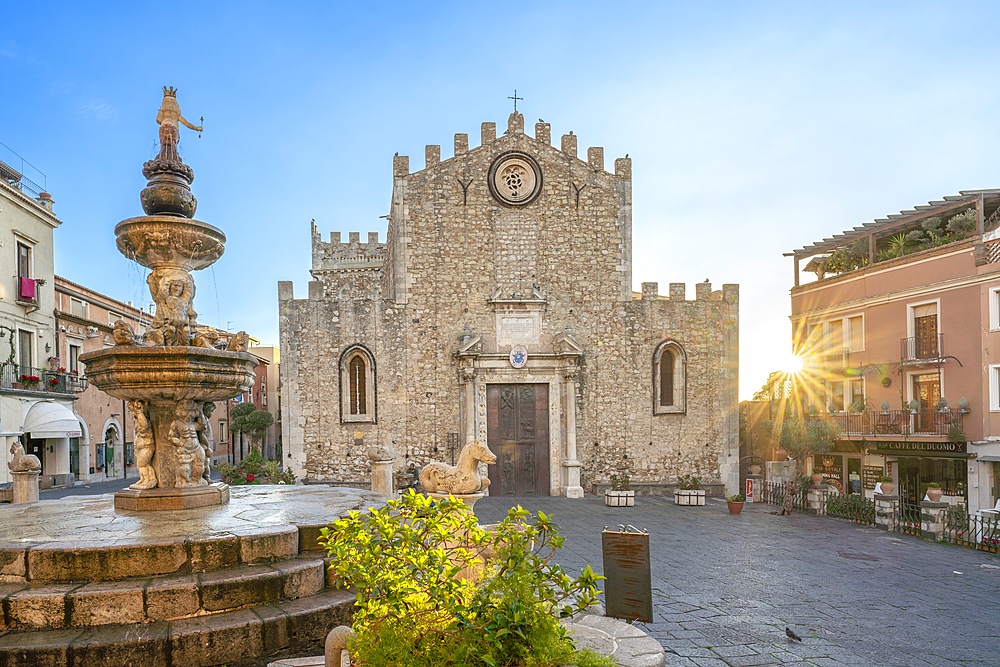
[{"x": 518, "y": 329}]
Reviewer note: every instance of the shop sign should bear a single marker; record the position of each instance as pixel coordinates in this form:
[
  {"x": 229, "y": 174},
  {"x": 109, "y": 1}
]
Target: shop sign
[
  {"x": 917, "y": 447},
  {"x": 832, "y": 468},
  {"x": 871, "y": 475}
]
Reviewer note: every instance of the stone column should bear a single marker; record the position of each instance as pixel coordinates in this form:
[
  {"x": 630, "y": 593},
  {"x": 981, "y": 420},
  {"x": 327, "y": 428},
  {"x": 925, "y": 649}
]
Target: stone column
[
  {"x": 382, "y": 459},
  {"x": 25, "y": 486},
  {"x": 468, "y": 378},
  {"x": 932, "y": 519},
  {"x": 570, "y": 464},
  {"x": 817, "y": 499},
  {"x": 887, "y": 511}
]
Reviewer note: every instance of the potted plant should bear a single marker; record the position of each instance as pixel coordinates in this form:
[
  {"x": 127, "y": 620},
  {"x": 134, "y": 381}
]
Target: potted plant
[
  {"x": 888, "y": 486},
  {"x": 689, "y": 491},
  {"x": 735, "y": 502},
  {"x": 30, "y": 381},
  {"x": 620, "y": 494},
  {"x": 934, "y": 492},
  {"x": 435, "y": 588}
]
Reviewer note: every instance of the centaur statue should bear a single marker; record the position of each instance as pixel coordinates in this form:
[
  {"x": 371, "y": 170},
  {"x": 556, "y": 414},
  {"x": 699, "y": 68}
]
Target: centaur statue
[{"x": 461, "y": 478}]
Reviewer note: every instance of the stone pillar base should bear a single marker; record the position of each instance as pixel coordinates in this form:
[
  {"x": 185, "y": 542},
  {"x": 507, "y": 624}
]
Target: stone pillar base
[
  {"x": 816, "y": 498},
  {"x": 572, "y": 477},
  {"x": 185, "y": 498},
  {"x": 25, "y": 486},
  {"x": 382, "y": 478},
  {"x": 887, "y": 511}
]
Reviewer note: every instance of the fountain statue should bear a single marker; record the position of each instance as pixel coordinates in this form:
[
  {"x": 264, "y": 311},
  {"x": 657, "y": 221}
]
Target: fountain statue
[{"x": 171, "y": 375}]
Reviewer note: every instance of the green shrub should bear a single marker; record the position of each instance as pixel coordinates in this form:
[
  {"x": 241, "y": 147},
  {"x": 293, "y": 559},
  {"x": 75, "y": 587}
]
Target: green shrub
[
  {"x": 434, "y": 588},
  {"x": 254, "y": 470}
]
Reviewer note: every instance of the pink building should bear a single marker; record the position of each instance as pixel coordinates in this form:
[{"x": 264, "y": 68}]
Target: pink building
[{"x": 898, "y": 323}]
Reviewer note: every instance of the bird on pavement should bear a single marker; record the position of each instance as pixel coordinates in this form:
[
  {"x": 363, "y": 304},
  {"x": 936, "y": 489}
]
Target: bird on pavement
[{"x": 792, "y": 636}]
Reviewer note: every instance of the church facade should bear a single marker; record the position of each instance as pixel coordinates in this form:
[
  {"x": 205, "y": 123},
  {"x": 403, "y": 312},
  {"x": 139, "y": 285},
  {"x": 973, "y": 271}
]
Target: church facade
[{"x": 500, "y": 308}]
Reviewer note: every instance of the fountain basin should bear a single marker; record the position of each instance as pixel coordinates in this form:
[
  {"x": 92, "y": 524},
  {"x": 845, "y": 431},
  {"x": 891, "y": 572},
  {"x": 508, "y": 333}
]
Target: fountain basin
[
  {"x": 170, "y": 373},
  {"x": 170, "y": 241}
]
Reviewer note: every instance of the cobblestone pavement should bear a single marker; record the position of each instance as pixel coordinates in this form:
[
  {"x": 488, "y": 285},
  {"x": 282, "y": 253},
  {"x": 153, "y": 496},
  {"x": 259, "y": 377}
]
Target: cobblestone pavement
[{"x": 725, "y": 587}]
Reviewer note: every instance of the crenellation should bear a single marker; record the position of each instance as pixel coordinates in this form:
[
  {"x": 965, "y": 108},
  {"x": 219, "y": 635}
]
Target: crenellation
[
  {"x": 461, "y": 144},
  {"x": 595, "y": 156},
  {"x": 515, "y": 123},
  {"x": 335, "y": 238},
  {"x": 400, "y": 165},
  {"x": 373, "y": 238},
  {"x": 623, "y": 167},
  {"x": 489, "y": 133},
  {"x": 650, "y": 290},
  {"x": 286, "y": 290},
  {"x": 316, "y": 290},
  {"x": 702, "y": 291},
  {"x": 543, "y": 132},
  {"x": 569, "y": 146},
  {"x": 678, "y": 292},
  {"x": 355, "y": 238},
  {"x": 432, "y": 155}
]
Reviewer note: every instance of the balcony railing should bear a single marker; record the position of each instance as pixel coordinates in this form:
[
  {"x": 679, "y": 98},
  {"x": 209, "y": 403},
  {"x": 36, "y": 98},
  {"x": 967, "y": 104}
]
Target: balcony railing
[
  {"x": 921, "y": 348},
  {"x": 23, "y": 378},
  {"x": 899, "y": 422}
]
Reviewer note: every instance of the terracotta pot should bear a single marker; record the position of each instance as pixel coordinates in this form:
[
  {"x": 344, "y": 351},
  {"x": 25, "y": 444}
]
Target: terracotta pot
[
  {"x": 735, "y": 507},
  {"x": 888, "y": 488},
  {"x": 816, "y": 478},
  {"x": 934, "y": 495},
  {"x": 755, "y": 469}
]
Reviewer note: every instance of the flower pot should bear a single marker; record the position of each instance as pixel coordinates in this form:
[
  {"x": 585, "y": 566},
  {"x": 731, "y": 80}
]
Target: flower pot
[
  {"x": 755, "y": 469},
  {"x": 619, "y": 498},
  {"x": 735, "y": 507},
  {"x": 934, "y": 495},
  {"x": 888, "y": 488},
  {"x": 816, "y": 478},
  {"x": 689, "y": 497}
]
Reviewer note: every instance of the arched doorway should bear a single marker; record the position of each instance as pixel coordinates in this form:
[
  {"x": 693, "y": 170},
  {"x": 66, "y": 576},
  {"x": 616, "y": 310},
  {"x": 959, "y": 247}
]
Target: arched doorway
[{"x": 111, "y": 440}]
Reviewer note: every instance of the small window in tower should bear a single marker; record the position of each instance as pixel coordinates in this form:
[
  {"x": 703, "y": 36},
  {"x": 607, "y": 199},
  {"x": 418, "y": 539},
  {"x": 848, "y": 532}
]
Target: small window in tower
[
  {"x": 669, "y": 378},
  {"x": 357, "y": 385}
]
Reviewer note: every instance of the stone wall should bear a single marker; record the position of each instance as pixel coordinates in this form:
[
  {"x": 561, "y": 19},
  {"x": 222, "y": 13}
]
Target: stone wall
[{"x": 554, "y": 274}]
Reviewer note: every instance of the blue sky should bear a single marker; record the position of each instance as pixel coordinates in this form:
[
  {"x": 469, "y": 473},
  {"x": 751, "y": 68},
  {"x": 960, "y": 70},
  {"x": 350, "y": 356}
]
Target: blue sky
[{"x": 754, "y": 127}]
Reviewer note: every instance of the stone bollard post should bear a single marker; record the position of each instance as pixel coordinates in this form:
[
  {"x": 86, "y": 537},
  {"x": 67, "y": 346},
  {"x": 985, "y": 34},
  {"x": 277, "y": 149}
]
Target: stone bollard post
[
  {"x": 887, "y": 512},
  {"x": 336, "y": 647},
  {"x": 932, "y": 520},
  {"x": 382, "y": 459},
  {"x": 25, "y": 486},
  {"x": 816, "y": 499}
]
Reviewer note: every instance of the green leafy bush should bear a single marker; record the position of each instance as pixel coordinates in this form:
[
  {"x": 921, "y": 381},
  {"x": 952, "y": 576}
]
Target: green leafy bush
[
  {"x": 689, "y": 482},
  {"x": 254, "y": 470},
  {"x": 434, "y": 588}
]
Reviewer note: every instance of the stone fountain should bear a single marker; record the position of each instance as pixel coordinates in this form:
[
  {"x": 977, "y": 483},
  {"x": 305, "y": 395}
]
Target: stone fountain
[{"x": 171, "y": 376}]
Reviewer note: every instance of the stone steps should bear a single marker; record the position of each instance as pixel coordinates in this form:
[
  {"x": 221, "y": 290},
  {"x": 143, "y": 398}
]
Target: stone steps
[
  {"x": 162, "y": 598},
  {"x": 233, "y": 638}
]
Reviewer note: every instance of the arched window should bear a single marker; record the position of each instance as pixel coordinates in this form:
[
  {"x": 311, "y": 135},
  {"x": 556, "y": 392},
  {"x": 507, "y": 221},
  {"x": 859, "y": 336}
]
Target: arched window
[
  {"x": 669, "y": 378},
  {"x": 357, "y": 385}
]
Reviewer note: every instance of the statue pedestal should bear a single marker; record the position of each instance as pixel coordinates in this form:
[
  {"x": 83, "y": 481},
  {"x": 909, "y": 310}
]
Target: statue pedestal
[
  {"x": 467, "y": 498},
  {"x": 25, "y": 486},
  {"x": 382, "y": 478},
  {"x": 183, "y": 498}
]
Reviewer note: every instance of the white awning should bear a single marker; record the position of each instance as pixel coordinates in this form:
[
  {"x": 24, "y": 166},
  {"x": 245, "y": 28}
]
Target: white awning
[{"x": 46, "y": 419}]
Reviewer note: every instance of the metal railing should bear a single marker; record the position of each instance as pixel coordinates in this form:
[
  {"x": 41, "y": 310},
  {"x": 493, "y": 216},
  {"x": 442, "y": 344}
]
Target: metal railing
[
  {"x": 970, "y": 530},
  {"x": 774, "y": 493},
  {"x": 853, "y": 507},
  {"x": 899, "y": 422},
  {"x": 921, "y": 348},
  {"x": 13, "y": 168},
  {"x": 15, "y": 376}
]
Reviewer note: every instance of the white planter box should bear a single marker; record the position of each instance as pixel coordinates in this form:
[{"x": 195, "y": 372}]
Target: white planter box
[
  {"x": 689, "y": 497},
  {"x": 619, "y": 498}
]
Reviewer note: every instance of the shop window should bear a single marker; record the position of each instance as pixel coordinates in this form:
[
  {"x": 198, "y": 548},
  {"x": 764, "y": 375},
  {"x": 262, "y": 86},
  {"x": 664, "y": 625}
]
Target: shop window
[
  {"x": 669, "y": 378},
  {"x": 357, "y": 385}
]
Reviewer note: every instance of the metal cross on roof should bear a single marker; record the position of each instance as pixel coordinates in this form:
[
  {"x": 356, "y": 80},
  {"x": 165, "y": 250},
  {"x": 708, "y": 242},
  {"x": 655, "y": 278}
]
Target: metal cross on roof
[{"x": 515, "y": 98}]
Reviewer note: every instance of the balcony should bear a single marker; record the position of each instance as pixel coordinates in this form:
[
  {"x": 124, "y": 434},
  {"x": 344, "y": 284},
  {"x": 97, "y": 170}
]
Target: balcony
[
  {"x": 889, "y": 423},
  {"x": 15, "y": 377},
  {"x": 921, "y": 349}
]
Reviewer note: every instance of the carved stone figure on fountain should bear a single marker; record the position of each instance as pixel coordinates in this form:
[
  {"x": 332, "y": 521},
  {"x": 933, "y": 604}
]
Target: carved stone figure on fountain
[
  {"x": 145, "y": 446},
  {"x": 461, "y": 478},
  {"x": 167, "y": 118},
  {"x": 169, "y": 187},
  {"x": 172, "y": 290},
  {"x": 123, "y": 334},
  {"x": 204, "y": 422},
  {"x": 239, "y": 342},
  {"x": 187, "y": 445}
]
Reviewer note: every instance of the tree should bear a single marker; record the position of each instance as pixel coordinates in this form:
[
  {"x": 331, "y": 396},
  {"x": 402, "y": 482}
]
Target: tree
[
  {"x": 245, "y": 418},
  {"x": 803, "y": 438}
]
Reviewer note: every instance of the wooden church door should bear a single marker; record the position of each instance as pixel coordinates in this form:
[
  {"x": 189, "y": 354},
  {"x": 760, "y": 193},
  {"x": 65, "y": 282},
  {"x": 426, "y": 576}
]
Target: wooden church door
[{"x": 517, "y": 427}]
